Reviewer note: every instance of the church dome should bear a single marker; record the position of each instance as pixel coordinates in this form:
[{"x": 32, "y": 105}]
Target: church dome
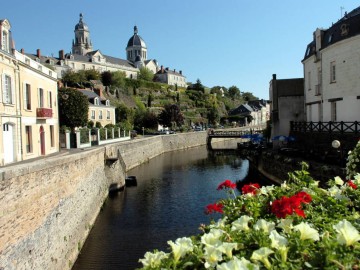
[
  {"x": 81, "y": 25},
  {"x": 136, "y": 40}
]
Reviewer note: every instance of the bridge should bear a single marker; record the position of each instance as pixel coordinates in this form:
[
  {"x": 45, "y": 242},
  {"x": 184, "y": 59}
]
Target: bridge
[{"x": 242, "y": 134}]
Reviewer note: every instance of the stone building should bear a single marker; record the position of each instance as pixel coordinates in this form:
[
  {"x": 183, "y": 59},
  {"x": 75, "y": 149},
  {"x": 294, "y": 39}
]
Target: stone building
[
  {"x": 170, "y": 77},
  {"x": 28, "y": 104},
  {"x": 331, "y": 72}
]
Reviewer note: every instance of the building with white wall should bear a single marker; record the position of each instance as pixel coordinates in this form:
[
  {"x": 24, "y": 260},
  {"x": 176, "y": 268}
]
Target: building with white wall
[{"x": 331, "y": 72}]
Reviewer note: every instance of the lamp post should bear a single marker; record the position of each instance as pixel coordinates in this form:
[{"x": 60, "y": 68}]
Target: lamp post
[
  {"x": 143, "y": 131},
  {"x": 337, "y": 145}
]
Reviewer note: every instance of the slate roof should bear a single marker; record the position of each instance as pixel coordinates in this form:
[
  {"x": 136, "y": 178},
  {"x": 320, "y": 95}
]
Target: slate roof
[{"x": 136, "y": 40}]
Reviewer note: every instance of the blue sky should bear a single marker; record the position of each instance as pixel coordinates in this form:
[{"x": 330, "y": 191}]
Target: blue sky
[{"x": 226, "y": 43}]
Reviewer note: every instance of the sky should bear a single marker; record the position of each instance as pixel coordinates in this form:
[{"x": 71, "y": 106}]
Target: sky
[{"x": 222, "y": 43}]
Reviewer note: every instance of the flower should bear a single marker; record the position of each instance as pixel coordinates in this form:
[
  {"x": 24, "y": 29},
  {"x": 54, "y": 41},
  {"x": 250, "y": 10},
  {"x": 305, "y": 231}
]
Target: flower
[
  {"x": 241, "y": 224},
  {"x": 227, "y": 248},
  {"x": 264, "y": 225},
  {"x": 212, "y": 238},
  {"x": 338, "y": 181},
  {"x": 347, "y": 233},
  {"x": 237, "y": 264},
  {"x": 286, "y": 225},
  {"x": 212, "y": 256},
  {"x": 153, "y": 260},
  {"x": 277, "y": 241},
  {"x": 351, "y": 184},
  {"x": 306, "y": 232},
  {"x": 262, "y": 256},
  {"x": 287, "y": 206},
  {"x": 226, "y": 184},
  {"x": 251, "y": 188},
  {"x": 181, "y": 247},
  {"x": 212, "y": 208}
]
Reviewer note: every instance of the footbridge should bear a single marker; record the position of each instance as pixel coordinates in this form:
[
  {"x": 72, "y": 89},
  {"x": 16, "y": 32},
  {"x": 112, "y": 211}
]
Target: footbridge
[{"x": 242, "y": 134}]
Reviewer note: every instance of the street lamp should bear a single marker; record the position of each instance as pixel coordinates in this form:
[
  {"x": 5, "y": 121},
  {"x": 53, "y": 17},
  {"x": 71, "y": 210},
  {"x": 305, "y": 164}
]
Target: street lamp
[{"x": 337, "y": 145}]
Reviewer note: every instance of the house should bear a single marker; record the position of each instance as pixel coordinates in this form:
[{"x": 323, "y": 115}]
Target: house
[
  {"x": 99, "y": 107},
  {"x": 252, "y": 113},
  {"x": 28, "y": 104},
  {"x": 331, "y": 72},
  {"x": 170, "y": 77},
  {"x": 286, "y": 104}
]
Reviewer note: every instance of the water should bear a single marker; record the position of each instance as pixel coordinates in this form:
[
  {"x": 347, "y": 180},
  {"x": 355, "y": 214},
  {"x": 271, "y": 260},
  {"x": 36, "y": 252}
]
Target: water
[{"x": 168, "y": 202}]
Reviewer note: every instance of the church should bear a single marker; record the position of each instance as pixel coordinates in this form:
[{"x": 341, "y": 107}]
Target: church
[{"x": 84, "y": 57}]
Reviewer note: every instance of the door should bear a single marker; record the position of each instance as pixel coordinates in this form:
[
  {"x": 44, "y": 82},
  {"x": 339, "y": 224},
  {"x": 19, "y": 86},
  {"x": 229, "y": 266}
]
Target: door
[
  {"x": 42, "y": 140},
  {"x": 8, "y": 143}
]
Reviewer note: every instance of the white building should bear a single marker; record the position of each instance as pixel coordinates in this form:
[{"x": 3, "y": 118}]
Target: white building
[{"x": 331, "y": 72}]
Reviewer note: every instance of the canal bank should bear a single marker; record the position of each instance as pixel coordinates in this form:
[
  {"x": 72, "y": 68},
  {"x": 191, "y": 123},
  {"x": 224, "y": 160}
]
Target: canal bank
[{"x": 48, "y": 205}]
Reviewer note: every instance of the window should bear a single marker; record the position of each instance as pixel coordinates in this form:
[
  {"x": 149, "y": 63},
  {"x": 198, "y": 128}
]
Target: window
[
  {"x": 50, "y": 99},
  {"x": 333, "y": 111},
  {"x": 8, "y": 91},
  {"x": 309, "y": 81},
  {"x": 27, "y": 61},
  {"x": 28, "y": 136},
  {"x": 100, "y": 115},
  {"x": 108, "y": 115},
  {"x": 96, "y": 101},
  {"x": 52, "y": 138},
  {"x": 332, "y": 72},
  {"x": 5, "y": 41},
  {"x": 41, "y": 98},
  {"x": 107, "y": 103},
  {"x": 27, "y": 97},
  {"x": 320, "y": 111},
  {"x": 92, "y": 114}
]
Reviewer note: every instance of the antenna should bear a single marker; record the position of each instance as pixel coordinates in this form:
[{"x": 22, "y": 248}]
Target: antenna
[{"x": 341, "y": 11}]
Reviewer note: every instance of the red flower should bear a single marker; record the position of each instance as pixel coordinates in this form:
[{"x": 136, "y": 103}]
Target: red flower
[
  {"x": 288, "y": 206},
  {"x": 212, "y": 208},
  {"x": 251, "y": 188},
  {"x": 226, "y": 184},
  {"x": 351, "y": 184}
]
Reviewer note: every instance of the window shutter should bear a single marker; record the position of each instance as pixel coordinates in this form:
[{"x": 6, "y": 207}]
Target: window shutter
[
  {"x": 24, "y": 97},
  {"x": 13, "y": 101},
  {"x": 3, "y": 86}
]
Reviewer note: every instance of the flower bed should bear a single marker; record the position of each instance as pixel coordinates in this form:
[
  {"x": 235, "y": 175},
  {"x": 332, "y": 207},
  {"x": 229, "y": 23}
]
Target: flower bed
[{"x": 297, "y": 225}]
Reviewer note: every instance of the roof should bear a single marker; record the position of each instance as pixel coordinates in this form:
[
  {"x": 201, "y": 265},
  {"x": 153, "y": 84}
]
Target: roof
[
  {"x": 242, "y": 109},
  {"x": 344, "y": 28},
  {"x": 136, "y": 40},
  {"x": 81, "y": 25}
]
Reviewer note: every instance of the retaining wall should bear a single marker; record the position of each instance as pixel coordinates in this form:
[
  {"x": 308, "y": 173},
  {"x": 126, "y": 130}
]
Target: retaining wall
[{"x": 47, "y": 206}]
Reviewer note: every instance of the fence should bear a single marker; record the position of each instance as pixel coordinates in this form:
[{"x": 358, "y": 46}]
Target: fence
[{"x": 341, "y": 127}]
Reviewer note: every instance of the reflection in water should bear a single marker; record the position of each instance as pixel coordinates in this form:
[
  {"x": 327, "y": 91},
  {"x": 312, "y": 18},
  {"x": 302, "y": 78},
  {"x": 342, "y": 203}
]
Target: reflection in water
[{"x": 168, "y": 202}]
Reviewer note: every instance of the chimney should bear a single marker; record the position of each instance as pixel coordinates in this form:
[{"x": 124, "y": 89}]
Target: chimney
[
  {"x": 167, "y": 69},
  {"x": 61, "y": 55},
  {"x": 174, "y": 70},
  {"x": 38, "y": 53},
  {"x": 22, "y": 51},
  {"x": 162, "y": 69},
  {"x": 180, "y": 71},
  {"x": 274, "y": 76}
]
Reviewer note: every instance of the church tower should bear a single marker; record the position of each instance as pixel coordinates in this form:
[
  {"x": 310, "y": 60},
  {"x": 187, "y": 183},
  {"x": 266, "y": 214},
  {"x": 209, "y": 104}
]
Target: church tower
[
  {"x": 82, "y": 43},
  {"x": 136, "y": 51}
]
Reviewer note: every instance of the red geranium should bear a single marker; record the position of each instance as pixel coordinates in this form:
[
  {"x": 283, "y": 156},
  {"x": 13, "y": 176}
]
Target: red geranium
[
  {"x": 212, "y": 208},
  {"x": 251, "y": 188},
  {"x": 351, "y": 184},
  {"x": 288, "y": 206},
  {"x": 226, "y": 184}
]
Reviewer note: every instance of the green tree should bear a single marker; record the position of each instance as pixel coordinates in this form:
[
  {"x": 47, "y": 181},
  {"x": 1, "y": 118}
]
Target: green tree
[
  {"x": 118, "y": 79},
  {"x": 247, "y": 96},
  {"x": 149, "y": 101},
  {"x": 73, "y": 108},
  {"x": 106, "y": 78},
  {"x": 92, "y": 74},
  {"x": 145, "y": 74},
  {"x": 171, "y": 116},
  {"x": 234, "y": 92}
]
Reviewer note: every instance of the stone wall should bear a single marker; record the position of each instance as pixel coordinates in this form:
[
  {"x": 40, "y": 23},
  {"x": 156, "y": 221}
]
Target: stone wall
[{"x": 48, "y": 206}]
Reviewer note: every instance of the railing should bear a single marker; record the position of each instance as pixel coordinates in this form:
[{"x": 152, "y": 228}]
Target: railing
[
  {"x": 44, "y": 113},
  {"x": 328, "y": 127},
  {"x": 231, "y": 134}
]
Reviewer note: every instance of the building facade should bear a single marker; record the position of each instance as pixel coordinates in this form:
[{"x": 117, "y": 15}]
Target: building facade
[
  {"x": 170, "y": 77},
  {"x": 28, "y": 104},
  {"x": 331, "y": 72}
]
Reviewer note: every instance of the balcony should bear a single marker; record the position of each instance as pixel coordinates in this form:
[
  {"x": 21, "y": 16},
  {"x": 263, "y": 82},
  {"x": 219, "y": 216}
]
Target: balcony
[{"x": 44, "y": 113}]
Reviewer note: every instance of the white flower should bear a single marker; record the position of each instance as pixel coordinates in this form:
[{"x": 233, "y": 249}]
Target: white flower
[
  {"x": 236, "y": 264},
  {"x": 212, "y": 256},
  {"x": 153, "y": 259},
  {"x": 338, "y": 181},
  {"x": 220, "y": 224},
  {"x": 336, "y": 192},
  {"x": 181, "y": 247},
  {"x": 347, "y": 233},
  {"x": 212, "y": 238},
  {"x": 306, "y": 232},
  {"x": 314, "y": 183},
  {"x": 227, "y": 248},
  {"x": 277, "y": 241},
  {"x": 262, "y": 256},
  {"x": 241, "y": 224},
  {"x": 357, "y": 179},
  {"x": 262, "y": 224},
  {"x": 284, "y": 185},
  {"x": 286, "y": 224}
]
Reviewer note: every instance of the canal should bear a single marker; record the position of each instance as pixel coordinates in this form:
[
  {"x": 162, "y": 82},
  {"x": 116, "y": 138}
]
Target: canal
[{"x": 168, "y": 202}]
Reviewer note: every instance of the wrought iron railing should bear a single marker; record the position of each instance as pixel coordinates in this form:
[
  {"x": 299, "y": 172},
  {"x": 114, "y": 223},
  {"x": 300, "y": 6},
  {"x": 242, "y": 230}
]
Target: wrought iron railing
[{"x": 327, "y": 127}]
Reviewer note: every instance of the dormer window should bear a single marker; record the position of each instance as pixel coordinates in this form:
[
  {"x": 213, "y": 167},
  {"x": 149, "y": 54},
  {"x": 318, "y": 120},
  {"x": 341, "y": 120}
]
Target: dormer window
[
  {"x": 5, "y": 41},
  {"x": 107, "y": 103},
  {"x": 96, "y": 101}
]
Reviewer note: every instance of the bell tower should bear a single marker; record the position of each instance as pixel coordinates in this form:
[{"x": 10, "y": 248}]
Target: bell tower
[{"x": 82, "y": 43}]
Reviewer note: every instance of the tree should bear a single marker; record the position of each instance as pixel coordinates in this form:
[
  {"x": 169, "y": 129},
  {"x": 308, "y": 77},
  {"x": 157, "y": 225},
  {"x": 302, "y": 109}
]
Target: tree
[
  {"x": 92, "y": 74},
  {"x": 171, "y": 116},
  {"x": 247, "y": 96},
  {"x": 150, "y": 99},
  {"x": 145, "y": 74},
  {"x": 234, "y": 92},
  {"x": 73, "y": 108},
  {"x": 106, "y": 78},
  {"x": 118, "y": 79}
]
